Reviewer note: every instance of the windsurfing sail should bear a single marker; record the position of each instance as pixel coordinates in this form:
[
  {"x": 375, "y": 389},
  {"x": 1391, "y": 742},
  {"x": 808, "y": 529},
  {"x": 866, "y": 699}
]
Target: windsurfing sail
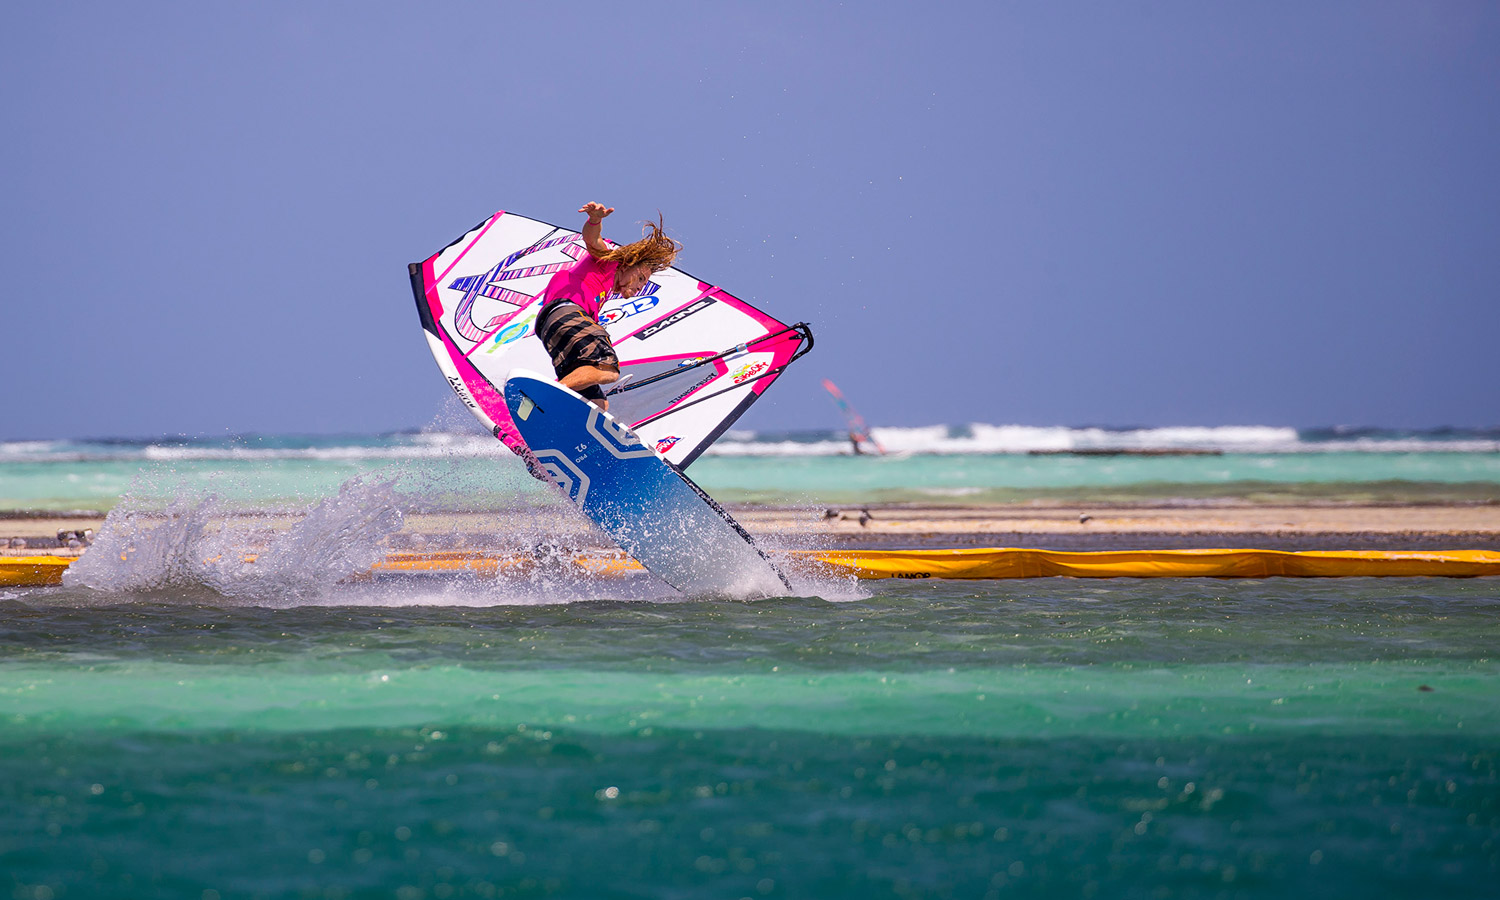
[
  {"x": 859, "y": 432},
  {"x": 693, "y": 357}
]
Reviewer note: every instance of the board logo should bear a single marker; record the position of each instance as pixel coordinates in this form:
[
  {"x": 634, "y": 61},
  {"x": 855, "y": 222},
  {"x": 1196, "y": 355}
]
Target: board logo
[
  {"x": 748, "y": 371},
  {"x": 667, "y": 443},
  {"x": 625, "y": 311},
  {"x": 657, "y": 327},
  {"x": 615, "y": 436},
  {"x": 565, "y": 474}
]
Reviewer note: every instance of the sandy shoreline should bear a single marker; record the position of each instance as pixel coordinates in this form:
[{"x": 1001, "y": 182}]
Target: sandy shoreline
[{"x": 1290, "y": 527}]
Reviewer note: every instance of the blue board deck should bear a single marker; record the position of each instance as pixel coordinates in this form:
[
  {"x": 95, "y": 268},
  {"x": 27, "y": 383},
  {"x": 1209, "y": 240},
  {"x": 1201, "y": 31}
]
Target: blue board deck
[{"x": 654, "y": 512}]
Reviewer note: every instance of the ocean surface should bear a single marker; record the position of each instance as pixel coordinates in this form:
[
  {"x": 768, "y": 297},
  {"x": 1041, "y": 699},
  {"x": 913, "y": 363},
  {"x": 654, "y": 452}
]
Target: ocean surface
[
  {"x": 966, "y": 464},
  {"x": 179, "y": 724}
]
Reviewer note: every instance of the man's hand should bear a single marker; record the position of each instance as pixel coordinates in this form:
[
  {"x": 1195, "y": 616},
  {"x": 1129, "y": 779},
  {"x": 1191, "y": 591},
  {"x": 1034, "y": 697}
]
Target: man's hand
[
  {"x": 596, "y": 211},
  {"x": 593, "y": 237}
]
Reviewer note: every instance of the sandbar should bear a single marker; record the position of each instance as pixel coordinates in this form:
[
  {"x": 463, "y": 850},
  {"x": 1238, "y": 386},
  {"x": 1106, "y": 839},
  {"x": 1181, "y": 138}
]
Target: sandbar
[{"x": 1104, "y": 527}]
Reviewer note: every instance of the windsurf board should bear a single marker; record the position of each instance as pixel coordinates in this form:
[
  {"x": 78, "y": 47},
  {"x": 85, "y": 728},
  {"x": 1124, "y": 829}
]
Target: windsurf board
[{"x": 647, "y": 506}]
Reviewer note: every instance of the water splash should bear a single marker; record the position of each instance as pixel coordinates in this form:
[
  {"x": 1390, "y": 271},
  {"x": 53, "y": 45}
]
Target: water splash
[
  {"x": 139, "y": 550},
  {"x": 342, "y": 536},
  {"x": 193, "y": 544},
  {"x": 204, "y": 548},
  {"x": 815, "y": 581}
]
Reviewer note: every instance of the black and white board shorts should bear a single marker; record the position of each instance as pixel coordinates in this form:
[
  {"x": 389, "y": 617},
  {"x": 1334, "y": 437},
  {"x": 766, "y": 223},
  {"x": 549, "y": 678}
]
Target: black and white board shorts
[{"x": 573, "y": 339}]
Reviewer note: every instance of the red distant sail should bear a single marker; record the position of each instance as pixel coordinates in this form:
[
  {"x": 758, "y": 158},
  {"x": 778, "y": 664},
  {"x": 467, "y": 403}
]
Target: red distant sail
[{"x": 859, "y": 432}]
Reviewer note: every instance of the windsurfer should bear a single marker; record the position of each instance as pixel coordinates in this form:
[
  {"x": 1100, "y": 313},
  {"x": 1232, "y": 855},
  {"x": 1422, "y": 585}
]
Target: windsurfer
[{"x": 568, "y": 323}]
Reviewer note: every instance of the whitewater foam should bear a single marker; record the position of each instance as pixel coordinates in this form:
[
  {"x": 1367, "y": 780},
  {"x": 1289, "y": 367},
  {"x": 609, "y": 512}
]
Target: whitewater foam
[{"x": 974, "y": 438}]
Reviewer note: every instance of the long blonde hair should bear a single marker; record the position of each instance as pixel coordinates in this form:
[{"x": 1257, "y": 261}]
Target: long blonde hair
[{"x": 654, "y": 248}]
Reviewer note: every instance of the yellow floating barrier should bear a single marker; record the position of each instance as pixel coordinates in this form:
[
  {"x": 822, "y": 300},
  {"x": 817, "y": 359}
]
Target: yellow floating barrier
[
  {"x": 32, "y": 571},
  {"x": 36, "y": 571},
  {"x": 1019, "y": 563}
]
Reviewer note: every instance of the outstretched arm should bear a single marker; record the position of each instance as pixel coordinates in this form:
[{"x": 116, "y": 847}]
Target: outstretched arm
[{"x": 592, "y": 233}]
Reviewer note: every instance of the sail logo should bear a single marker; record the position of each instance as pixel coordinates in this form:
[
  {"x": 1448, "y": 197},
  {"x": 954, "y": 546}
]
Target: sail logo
[
  {"x": 491, "y": 284},
  {"x": 634, "y": 307},
  {"x": 660, "y": 325},
  {"x": 748, "y": 371},
  {"x": 684, "y": 395},
  {"x": 667, "y": 443},
  {"x": 512, "y": 332},
  {"x": 463, "y": 392}
]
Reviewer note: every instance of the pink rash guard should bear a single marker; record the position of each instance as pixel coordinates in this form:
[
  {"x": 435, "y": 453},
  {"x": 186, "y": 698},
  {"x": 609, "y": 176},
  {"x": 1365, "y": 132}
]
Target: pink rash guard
[{"x": 587, "y": 282}]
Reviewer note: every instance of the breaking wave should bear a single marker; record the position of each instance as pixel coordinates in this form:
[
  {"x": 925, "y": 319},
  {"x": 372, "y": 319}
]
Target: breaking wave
[{"x": 975, "y": 438}]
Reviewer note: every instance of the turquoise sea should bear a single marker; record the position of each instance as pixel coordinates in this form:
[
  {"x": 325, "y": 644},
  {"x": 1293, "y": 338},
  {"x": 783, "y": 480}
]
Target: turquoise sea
[
  {"x": 174, "y": 728},
  {"x": 938, "y": 465},
  {"x": 1188, "y": 738}
]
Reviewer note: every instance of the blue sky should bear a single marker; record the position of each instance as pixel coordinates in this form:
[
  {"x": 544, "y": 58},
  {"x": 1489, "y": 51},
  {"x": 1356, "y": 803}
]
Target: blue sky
[{"x": 1038, "y": 213}]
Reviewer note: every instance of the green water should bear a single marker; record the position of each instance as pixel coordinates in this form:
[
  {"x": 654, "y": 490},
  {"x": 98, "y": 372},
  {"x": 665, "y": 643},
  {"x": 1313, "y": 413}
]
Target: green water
[{"x": 1173, "y": 738}]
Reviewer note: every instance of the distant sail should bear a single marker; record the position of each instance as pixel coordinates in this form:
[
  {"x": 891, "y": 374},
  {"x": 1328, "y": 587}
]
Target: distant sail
[
  {"x": 859, "y": 432},
  {"x": 693, "y": 357}
]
